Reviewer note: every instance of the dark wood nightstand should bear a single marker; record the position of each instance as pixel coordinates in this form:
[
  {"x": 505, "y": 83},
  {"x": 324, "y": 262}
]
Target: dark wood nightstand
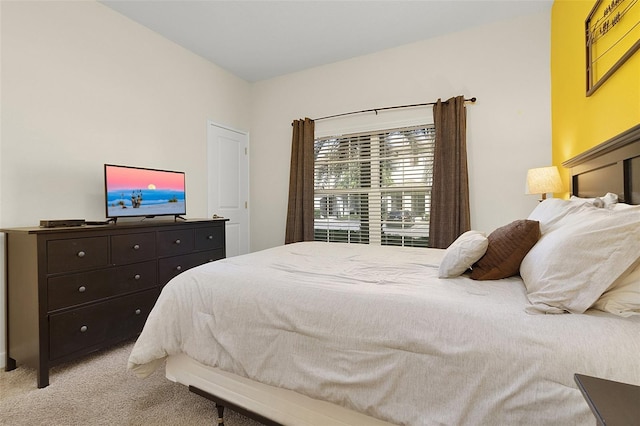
[{"x": 612, "y": 403}]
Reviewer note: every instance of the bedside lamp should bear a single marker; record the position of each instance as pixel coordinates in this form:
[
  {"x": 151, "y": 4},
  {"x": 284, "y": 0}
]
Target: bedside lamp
[{"x": 543, "y": 180}]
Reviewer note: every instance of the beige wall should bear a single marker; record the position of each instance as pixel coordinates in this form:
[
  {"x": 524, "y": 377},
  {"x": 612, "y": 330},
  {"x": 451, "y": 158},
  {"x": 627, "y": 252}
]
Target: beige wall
[
  {"x": 83, "y": 86},
  {"x": 505, "y": 65}
]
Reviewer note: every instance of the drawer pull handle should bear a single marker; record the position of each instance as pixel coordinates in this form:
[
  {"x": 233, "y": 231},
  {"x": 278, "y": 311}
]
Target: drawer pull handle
[
  {"x": 178, "y": 241},
  {"x": 81, "y": 254},
  {"x": 210, "y": 237},
  {"x": 83, "y": 328},
  {"x": 137, "y": 277},
  {"x": 82, "y": 289},
  {"x": 138, "y": 311},
  {"x": 178, "y": 268},
  {"x": 136, "y": 247}
]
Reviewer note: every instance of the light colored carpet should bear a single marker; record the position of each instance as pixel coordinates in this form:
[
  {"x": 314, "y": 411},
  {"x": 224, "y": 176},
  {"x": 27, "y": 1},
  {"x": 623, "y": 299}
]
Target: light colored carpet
[{"x": 98, "y": 390}]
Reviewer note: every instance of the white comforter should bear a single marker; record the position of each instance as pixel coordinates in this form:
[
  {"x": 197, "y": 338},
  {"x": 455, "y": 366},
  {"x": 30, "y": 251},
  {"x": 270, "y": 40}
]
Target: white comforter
[{"x": 374, "y": 329}]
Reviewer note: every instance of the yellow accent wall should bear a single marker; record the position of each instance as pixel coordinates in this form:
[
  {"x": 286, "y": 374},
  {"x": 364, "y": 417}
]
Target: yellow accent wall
[{"x": 580, "y": 122}]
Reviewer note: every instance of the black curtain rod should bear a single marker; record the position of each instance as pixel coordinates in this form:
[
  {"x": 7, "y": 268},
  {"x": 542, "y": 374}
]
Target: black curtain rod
[{"x": 382, "y": 109}]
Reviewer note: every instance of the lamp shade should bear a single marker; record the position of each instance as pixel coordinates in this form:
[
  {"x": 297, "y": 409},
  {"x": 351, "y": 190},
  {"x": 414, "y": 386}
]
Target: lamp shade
[{"x": 543, "y": 180}]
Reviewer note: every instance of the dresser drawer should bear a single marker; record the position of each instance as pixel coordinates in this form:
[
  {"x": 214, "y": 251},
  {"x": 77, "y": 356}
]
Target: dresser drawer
[
  {"x": 110, "y": 321},
  {"x": 131, "y": 248},
  {"x": 175, "y": 242},
  {"x": 172, "y": 266},
  {"x": 77, "y": 254},
  {"x": 75, "y": 289},
  {"x": 209, "y": 238}
]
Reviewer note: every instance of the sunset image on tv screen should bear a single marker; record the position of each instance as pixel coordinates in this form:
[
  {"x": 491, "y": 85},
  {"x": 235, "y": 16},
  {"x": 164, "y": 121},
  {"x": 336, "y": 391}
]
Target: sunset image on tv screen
[{"x": 132, "y": 191}]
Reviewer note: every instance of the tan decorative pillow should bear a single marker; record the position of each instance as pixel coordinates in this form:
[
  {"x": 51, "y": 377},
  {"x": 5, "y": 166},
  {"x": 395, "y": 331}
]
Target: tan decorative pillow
[
  {"x": 508, "y": 245},
  {"x": 462, "y": 253}
]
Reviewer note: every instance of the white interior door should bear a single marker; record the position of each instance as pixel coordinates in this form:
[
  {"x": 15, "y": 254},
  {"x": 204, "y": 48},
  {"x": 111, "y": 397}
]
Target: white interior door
[{"x": 228, "y": 161}]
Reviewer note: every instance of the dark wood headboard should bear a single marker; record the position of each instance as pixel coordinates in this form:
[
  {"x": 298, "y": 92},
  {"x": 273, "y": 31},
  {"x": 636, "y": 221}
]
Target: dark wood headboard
[{"x": 612, "y": 166}]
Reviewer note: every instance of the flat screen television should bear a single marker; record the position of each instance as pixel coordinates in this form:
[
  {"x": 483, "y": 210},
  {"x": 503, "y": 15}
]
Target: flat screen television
[{"x": 137, "y": 191}]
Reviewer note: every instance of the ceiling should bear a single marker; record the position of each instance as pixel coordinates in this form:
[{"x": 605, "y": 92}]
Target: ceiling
[{"x": 258, "y": 40}]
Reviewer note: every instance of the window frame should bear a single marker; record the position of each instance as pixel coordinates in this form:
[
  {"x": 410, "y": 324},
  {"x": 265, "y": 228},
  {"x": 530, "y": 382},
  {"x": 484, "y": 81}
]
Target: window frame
[{"x": 374, "y": 192}]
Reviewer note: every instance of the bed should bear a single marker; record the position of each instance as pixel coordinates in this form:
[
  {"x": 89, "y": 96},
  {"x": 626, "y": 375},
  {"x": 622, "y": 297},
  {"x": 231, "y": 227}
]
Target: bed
[{"x": 331, "y": 334}]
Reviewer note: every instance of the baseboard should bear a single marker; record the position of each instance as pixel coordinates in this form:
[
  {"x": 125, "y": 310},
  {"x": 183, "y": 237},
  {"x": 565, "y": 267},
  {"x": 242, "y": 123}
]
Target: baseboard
[{"x": 3, "y": 359}]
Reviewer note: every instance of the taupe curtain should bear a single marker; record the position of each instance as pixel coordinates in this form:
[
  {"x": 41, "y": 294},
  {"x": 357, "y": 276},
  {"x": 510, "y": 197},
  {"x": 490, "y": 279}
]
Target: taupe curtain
[
  {"x": 450, "y": 215},
  {"x": 300, "y": 210}
]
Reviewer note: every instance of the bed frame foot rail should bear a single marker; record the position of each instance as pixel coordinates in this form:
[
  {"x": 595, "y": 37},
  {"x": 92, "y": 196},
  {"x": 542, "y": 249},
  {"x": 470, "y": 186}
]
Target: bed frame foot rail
[{"x": 222, "y": 403}]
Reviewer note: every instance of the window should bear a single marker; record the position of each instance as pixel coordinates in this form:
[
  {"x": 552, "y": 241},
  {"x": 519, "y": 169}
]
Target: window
[{"x": 374, "y": 188}]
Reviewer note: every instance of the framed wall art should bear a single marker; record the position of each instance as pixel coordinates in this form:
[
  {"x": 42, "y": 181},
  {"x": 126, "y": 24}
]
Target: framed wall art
[{"x": 612, "y": 37}]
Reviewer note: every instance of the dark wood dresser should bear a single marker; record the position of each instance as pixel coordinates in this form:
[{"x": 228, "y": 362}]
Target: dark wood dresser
[{"x": 72, "y": 291}]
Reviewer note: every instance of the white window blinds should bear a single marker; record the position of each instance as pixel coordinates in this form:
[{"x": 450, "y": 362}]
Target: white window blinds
[{"x": 374, "y": 188}]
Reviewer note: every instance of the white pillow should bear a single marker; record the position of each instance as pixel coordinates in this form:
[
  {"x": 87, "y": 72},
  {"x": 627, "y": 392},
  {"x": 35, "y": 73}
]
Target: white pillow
[
  {"x": 552, "y": 210},
  {"x": 607, "y": 201},
  {"x": 624, "y": 206},
  {"x": 624, "y": 296},
  {"x": 462, "y": 253},
  {"x": 572, "y": 265}
]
